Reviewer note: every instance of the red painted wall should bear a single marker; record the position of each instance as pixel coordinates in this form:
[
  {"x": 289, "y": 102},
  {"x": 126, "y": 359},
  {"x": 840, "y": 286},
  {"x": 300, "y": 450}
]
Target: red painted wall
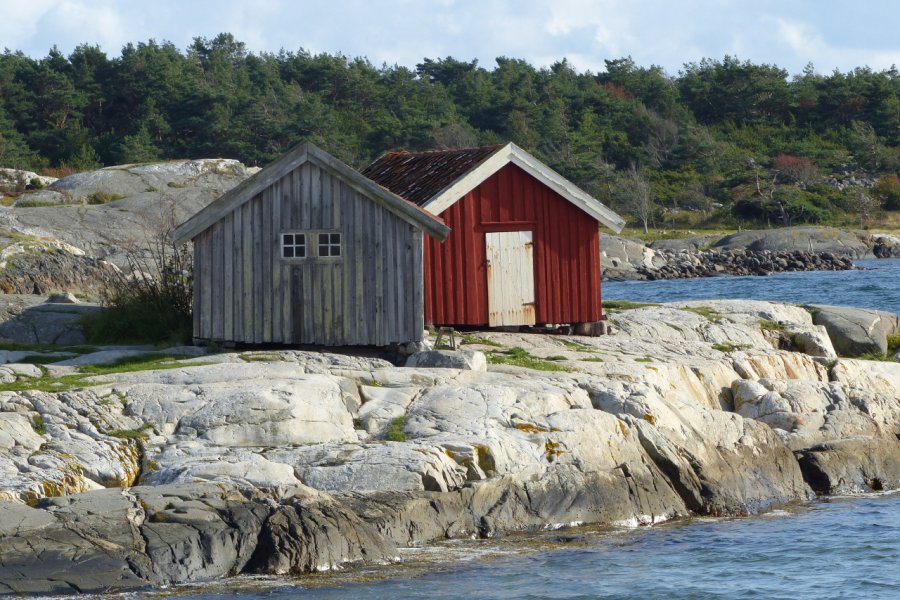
[{"x": 566, "y": 253}]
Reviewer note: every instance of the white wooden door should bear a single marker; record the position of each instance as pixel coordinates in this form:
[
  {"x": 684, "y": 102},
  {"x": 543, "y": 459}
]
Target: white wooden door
[{"x": 510, "y": 278}]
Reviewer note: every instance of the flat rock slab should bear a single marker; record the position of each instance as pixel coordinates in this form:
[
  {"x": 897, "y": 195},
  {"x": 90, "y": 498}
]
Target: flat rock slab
[
  {"x": 48, "y": 324},
  {"x": 807, "y": 239},
  {"x": 856, "y": 331}
]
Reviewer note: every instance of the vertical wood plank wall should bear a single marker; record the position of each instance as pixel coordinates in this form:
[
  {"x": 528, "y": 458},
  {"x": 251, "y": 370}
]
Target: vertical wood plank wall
[
  {"x": 245, "y": 292},
  {"x": 566, "y": 252}
]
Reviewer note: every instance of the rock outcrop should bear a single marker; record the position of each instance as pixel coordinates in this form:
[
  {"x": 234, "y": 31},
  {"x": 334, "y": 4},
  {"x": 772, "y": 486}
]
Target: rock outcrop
[
  {"x": 856, "y": 331},
  {"x": 280, "y": 462}
]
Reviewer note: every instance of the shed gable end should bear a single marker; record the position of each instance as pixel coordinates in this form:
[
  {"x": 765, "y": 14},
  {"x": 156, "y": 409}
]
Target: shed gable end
[{"x": 357, "y": 283}]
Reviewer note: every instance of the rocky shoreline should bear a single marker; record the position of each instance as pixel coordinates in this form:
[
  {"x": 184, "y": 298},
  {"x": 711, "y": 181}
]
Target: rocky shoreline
[
  {"x": 745, "y": 253},
  {"x": 682, "y": 264},
  {"x": 285, "y": 462}
]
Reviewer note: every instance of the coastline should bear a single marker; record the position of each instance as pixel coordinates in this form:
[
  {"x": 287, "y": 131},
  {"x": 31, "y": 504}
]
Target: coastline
[
  {"x": 690, "y": 409},
  {"x": 759, "y": 252}
]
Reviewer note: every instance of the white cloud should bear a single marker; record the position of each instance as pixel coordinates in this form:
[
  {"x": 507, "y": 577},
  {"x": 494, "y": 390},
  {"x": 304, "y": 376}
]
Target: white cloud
[
  {"x": 659, "y": 32},
  {"x": 20, "y": 21},
  {"x": 91, "y": 23}
]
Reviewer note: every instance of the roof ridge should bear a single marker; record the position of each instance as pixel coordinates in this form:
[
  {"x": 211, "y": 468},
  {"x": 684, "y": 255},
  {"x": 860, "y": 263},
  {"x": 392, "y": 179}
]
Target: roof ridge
[{"x": 404, "y": 152}]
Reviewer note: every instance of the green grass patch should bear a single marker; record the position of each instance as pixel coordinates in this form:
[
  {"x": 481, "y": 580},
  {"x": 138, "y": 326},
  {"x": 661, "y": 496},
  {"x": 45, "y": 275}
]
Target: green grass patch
[
  {"x": 729, "y": 347},
  {"x": 711, "y": 314},
  {"x": 138, "y": 362},
  {"x": 63, "y": 383},
  {"x": 131, "y": 434},
  {"x": 612, "y": 306},
  {"x": 645, "y": 359},
  {"x": 474, "y": 339},
  {"x": 395, "y": 430},
  {"x": 592, "y": 359},
  {"x": 767, "y": 325},
  {"x": 262, "y": 357},
  {"x": 48, "y": 383},
  {"x": 893, "y": 342},
  {"x": 37, "y": 204},
  {"x": 102, "y": 197},
  {"x": 176, "y": 185},
  {"x": 37, "y": 423},
  {"x": 877, "y": 356},
  {"x": 577, "y": 346},
  {"x": 556, "y": 357},
  {"x": 44, "y": 359},
  {"x": 519, "y": 357}
]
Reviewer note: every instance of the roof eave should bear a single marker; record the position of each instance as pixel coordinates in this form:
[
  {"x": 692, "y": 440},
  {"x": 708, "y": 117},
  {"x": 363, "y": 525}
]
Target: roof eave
[
  {"x": 239, "y": 194},
  {"x": 253, "y": 185}
]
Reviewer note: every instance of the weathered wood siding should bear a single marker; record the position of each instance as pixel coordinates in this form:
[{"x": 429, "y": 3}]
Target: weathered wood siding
[{"x": 371, "y": 295}]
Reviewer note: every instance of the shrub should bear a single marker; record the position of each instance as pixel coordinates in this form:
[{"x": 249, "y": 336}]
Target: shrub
[
  {"x": 887, "y": 188},
  {"x": 395, "y": 430},
  {"x": 151, "y": 301}
]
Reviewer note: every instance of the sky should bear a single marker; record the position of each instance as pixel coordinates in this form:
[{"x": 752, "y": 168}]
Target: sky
[{"x": 830, "y": 34}]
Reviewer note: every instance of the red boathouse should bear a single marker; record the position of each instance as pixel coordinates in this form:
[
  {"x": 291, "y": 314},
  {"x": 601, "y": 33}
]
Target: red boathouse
[{"x": 525, "y": 243}]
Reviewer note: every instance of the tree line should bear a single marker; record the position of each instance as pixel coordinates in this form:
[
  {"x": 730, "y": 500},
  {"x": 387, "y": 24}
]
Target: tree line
[{"x": 723, "y": 140}]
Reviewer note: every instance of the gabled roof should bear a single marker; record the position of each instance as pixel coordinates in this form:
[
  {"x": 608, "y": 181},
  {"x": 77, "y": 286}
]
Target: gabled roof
[
  {"x": 437, "y": 180},
  {"x": 419, "y": 176},
  {"x": 308, "y": 152}
]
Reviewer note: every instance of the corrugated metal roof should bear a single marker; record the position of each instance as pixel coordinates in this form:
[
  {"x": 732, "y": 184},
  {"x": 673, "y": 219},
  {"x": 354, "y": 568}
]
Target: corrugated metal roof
[{"x": 420, "y": 176}]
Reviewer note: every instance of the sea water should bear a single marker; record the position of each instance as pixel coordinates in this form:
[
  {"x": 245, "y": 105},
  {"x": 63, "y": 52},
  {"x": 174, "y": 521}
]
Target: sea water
[
  {"x": 832, "y": 548},
  {"x": 873, "y": 284}
]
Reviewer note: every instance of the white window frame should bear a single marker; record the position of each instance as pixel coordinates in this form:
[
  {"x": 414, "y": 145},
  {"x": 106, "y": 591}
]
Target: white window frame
[{"x": 330, "y": 240}]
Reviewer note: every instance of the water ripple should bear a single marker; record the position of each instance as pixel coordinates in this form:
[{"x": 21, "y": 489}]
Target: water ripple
[{"x": 876, "y": 284}]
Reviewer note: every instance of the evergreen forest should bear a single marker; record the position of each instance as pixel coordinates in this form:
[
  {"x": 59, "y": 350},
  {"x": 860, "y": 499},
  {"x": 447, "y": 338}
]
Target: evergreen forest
[{"x": 723, "y": 142}]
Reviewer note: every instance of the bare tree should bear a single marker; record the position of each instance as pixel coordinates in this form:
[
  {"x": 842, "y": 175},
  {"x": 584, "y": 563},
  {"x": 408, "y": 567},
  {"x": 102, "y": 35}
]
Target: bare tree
[
  {"x": 663, "y": 139},
  {"x": 634, "y": 194},
  {"x": 866, "y": 203}
]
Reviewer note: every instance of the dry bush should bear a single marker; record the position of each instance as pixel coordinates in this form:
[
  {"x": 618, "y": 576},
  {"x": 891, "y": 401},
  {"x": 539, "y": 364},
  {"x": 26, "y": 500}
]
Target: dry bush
[{"x": 151, "y": 299}]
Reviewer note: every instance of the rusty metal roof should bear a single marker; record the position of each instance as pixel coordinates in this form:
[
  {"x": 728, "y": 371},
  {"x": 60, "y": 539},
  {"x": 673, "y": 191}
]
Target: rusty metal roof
[{"x": 420, "y": 176}]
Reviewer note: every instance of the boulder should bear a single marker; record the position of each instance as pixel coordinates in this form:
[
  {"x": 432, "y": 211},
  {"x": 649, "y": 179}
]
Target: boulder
[
  {"x": 852, "y": 466},
  {"x": 311, "y": 536},
  {"x": 470, "y": 360},
  {"x": 63, "y": 298},
  {"x": 856, "y": 331},
  {"x": 119, "y": 540},
  {"x": 788, "y": 239},
  {"x": 621, "y": 257},
  {"x": 48, "y": 324}
]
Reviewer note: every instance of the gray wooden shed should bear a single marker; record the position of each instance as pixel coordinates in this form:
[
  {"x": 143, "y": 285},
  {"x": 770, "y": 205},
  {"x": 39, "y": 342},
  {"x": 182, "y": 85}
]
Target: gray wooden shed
[{"x": 309, "y": 251}]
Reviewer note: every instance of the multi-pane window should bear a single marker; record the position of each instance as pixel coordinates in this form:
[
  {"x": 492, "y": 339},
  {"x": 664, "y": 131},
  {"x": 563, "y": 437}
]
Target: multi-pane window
[
  {"x": 311, "y": 245},
  {"x": 293, "y": 245},
  {"x": 329, "y": 244}
]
